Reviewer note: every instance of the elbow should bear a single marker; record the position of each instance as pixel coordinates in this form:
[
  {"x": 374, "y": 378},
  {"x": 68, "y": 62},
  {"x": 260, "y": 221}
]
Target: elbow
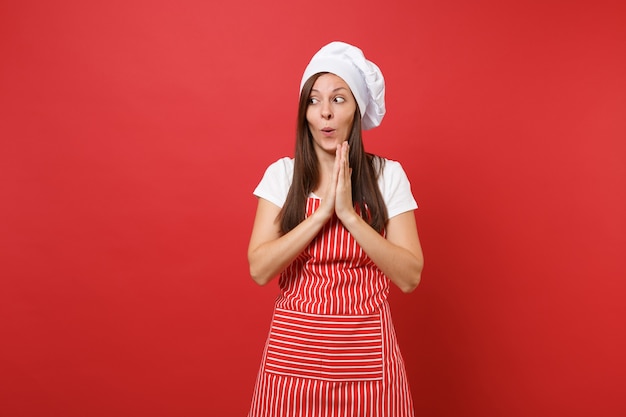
[
  {"x": 409, "y": 286},
  {"x": 260, "y": 279},
  {"x": 259, "y": 276},
  {"x": 413, "y": 279},
  {"x": 255, "y": 271},
  {"x": 260, "y": 282}
]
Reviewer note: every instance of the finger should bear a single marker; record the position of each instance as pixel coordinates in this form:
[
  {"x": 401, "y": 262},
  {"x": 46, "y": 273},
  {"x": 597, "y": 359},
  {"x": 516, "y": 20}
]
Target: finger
[
  {"x": 346, "y": 160},
  {"x": 342, "y": 161},
  {"x": 339, "y": 155}
]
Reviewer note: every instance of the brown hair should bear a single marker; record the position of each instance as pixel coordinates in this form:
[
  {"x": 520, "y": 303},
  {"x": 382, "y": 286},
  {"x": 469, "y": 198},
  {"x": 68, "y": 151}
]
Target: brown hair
[{"x": 366, "y": 168}]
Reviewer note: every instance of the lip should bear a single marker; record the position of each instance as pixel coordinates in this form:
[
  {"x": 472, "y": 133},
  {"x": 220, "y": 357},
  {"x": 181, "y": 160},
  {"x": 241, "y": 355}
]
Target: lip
[{"x": 328, "y": 131}]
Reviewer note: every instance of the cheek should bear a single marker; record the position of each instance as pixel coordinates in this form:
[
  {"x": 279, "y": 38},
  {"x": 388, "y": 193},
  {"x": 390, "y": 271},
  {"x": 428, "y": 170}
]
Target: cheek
[
  {"x": 349, "y": 121},
  {"x": 349, "y": 117},
  {"x": 308, "y": 116}
]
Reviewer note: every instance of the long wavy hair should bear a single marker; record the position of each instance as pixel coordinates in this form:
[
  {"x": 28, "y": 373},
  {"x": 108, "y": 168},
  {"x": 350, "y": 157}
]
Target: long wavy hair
[{"x": 366, "y": 169}]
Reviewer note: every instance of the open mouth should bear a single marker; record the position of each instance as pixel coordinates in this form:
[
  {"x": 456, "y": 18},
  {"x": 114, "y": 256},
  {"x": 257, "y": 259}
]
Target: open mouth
[{"x": 328, "y": 130}]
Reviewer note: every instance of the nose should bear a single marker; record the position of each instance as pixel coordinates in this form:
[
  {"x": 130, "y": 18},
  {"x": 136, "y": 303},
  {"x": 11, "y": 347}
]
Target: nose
[{"x": 327, "y": 113}]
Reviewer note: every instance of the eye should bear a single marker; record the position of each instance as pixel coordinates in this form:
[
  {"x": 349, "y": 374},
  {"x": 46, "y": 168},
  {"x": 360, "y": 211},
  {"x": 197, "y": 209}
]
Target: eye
[
  {"x": 313, "y": 100},
  {"x": 339, "y": 99}
]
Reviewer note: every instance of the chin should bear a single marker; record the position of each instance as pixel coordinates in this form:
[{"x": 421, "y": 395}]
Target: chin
[{"x": 327, "y": 145}]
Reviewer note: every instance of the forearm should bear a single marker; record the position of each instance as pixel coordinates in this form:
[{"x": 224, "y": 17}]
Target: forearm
[
  {"x": 399, "y": 264},
  {"x": 269, "y": 259}
]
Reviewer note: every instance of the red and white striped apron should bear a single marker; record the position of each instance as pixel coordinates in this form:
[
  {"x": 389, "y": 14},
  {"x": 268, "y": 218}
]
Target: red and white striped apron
[{"x": 332, "y": 349}]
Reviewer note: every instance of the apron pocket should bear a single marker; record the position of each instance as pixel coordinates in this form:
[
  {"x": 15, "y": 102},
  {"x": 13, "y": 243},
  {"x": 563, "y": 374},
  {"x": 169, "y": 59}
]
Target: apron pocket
[{"x": 326, "y": 347}]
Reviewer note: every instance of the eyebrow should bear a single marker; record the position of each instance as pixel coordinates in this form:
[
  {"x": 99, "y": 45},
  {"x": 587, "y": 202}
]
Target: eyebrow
[{"x": 335, "y": 90}]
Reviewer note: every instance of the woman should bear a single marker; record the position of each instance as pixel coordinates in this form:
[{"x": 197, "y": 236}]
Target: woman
[{"x": 337, "y": 225}]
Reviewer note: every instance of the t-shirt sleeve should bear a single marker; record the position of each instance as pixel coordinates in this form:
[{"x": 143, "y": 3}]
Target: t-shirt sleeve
[
  {"x": 396, "y": 189},
  {"x": 276, "y": 181}
]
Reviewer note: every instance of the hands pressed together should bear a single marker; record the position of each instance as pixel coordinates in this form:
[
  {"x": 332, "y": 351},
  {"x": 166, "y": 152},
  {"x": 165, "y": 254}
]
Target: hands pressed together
[{"x": 338, "y": 197}]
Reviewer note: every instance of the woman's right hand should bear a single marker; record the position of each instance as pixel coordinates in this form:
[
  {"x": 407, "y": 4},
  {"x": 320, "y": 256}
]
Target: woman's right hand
[
  {"x": 326, "y": 210},
  {"x": 269, "y": 251}
]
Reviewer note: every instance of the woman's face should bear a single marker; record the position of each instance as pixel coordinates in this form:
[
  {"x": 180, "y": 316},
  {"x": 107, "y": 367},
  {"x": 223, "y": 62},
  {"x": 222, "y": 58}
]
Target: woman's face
[{"x": 330, "y": 113}]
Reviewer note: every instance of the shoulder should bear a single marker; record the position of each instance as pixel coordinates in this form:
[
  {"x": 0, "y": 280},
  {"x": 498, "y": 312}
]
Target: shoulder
[
  {"x": 395, "y": 187},
  {"x": 283, "y": 166},
  {"x": 391, "y": 172},
  {"x": 276, "y": 181}
]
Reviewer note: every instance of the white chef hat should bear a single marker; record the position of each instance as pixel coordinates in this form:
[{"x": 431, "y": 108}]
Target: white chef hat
[{"x": 362, "y": 76}]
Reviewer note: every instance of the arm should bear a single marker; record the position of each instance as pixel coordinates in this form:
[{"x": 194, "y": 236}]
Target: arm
[
  {"x": 399, "y": 256},
  {"x": 269, "y": 252}
]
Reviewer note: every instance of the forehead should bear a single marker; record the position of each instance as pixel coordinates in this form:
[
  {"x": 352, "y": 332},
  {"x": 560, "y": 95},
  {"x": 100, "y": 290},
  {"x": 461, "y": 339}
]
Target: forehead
[{"x": 330, "y": 82}]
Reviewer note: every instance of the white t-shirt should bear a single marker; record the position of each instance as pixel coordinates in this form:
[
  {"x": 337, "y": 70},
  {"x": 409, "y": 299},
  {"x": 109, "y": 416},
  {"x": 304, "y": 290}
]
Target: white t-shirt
[{"x": 393, "y": 182}]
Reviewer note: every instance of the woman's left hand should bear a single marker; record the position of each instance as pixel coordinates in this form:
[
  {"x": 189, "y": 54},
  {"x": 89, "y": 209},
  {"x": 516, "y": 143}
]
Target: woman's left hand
[
  {"x": 399, "y": 254},
  {"x": 344, "y": 207}
]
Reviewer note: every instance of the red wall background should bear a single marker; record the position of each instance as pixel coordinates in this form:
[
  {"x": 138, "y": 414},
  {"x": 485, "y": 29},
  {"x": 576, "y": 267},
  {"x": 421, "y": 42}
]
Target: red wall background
[{"x": 133, "y": 133}]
